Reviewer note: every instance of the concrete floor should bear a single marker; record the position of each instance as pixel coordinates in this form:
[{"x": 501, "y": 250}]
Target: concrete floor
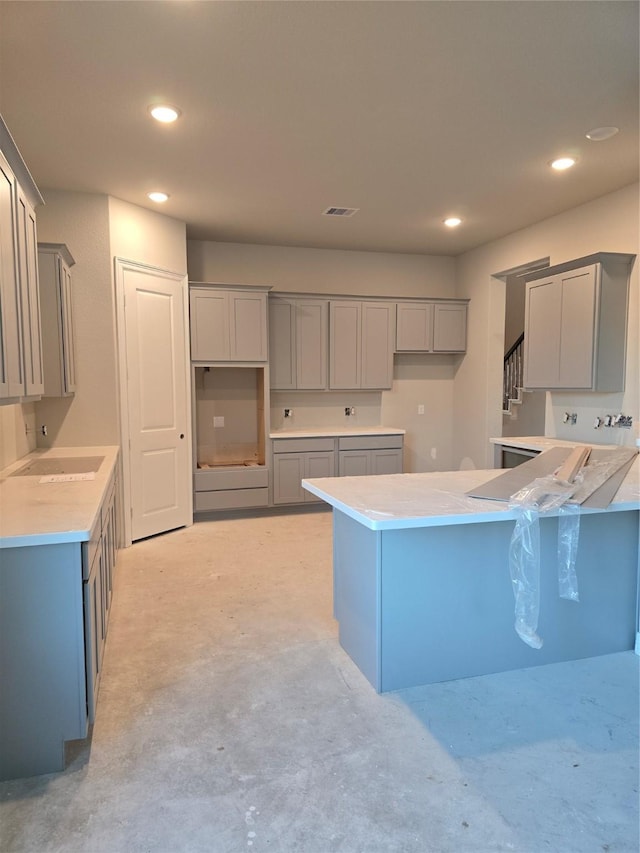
[{"x": 230, "y": 720}]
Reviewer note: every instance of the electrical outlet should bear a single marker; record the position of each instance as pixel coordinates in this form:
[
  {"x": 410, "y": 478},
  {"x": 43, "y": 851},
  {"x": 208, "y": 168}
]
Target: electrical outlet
[
  {"x": 434, "y": 452},
  {"x": 218, "y": 421},
  {"x": 288, "y": 413},
  {"x": 347, "y": 411},
  {"x": 421, "y": 409}
]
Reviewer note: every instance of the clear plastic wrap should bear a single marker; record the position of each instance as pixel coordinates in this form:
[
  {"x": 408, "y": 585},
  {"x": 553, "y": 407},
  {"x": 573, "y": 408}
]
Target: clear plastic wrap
[
  {"x": 540, "y": 496},
  {"x": 568, "y": 535}
]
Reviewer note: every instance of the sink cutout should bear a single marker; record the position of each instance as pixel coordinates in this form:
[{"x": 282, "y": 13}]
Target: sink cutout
[{"x": 60, "y": 465}]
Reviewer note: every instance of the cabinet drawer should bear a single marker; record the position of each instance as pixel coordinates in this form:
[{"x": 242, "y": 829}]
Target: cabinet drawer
[
  {"x": 302, "y": 445},
  {"x": 231, "y": 499},
  {"x": 231, "y": 478},
  {"x": 370, "y": 442}
]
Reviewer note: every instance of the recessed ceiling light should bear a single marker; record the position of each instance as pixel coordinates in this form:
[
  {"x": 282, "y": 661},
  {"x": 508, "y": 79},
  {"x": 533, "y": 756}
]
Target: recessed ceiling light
[
  {"x": 563, "y": 163},
  {"x": 158, "y": 197},
  {"x": 164, "y": 113},
  {"x": 598, "y": 134},
  {"x": 452, "y": 221}
]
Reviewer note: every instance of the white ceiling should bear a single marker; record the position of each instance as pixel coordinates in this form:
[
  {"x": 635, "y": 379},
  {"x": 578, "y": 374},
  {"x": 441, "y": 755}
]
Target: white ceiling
[{"x": 410, "y": 111}]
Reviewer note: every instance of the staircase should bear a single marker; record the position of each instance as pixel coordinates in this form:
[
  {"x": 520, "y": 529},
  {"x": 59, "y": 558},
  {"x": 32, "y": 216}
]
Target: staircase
[{"x": 512, "y": 390}]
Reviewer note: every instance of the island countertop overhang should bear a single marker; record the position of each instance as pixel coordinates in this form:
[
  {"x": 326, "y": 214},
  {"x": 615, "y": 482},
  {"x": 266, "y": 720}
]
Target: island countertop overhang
[{"x": 402, "y": 501}]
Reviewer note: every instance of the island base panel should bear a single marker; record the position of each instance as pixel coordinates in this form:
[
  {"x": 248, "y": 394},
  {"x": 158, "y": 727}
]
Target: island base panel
[{"x": 435, "y": 604}]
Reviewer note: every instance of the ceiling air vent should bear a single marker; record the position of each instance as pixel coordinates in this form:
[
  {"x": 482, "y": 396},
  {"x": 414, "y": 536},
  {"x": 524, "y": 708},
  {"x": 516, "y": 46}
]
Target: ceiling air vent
[{"x": 340, "y": 211}]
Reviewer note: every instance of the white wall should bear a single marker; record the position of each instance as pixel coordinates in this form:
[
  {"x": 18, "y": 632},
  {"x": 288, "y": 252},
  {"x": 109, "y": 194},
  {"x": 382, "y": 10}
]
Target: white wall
[
  {"x": 322, "y": 270},
  {"x": 608, "y": 224},
  {"x": 97, "y": 228},
  {"x": 81, "y": 220},
  {"x": 425, "y": 379},
  {"x": 147, "y": 237}
]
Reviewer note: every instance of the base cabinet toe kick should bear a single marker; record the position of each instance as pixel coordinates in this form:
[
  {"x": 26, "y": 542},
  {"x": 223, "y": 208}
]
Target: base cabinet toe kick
[{"x": 55, "y": 601}]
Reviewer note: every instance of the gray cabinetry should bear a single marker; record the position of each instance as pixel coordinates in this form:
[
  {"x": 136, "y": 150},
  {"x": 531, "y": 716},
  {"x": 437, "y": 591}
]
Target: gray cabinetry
[
  {"x": 54, "y": 611},
  {"x": 20, "y": 355},
  {"x": 228, "y": 324},
  {"x": 98, "y": 567},
  {"x": 360, "y": 456},
  {"x": 30, "y": 297},
  {"x": 56, "y": 302},
  {"x": 575, "y": 325},
  {"x": 361, "y": 343},
  {"x": 298, "y": 335},
  {"x": 297, "y": 459},
  {"x": 431, "y": 326}
]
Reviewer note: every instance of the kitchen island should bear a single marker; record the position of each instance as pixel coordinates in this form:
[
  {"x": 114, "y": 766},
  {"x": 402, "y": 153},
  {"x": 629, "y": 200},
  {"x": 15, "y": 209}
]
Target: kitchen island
[
  {"x": 58, "y": 542},
  {"x": 422, "y": 590}
]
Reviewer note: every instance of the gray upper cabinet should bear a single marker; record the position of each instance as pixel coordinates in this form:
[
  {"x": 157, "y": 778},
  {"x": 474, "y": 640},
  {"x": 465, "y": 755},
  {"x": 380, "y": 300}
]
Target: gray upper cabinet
[
  {"x": 575, "y": 324},
  {"x": 20, "y": 345},
  {"x": 361, "y": 343},
  {"x": 431, "y": 326},
  {"x": 228, "y": 324},
  {"x": 30, "y": 298},
  {"x": 298, "y": 335},
  {"x": 56, "y": 302}
]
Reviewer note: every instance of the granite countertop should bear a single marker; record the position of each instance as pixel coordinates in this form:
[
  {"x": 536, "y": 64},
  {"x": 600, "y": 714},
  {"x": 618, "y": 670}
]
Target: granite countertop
[
  {"x": 33, "y": 512},
  {"x": 542, "y": 442},
  {"x": 397, "y": 501},
  {"x": 334, "y": 432}
]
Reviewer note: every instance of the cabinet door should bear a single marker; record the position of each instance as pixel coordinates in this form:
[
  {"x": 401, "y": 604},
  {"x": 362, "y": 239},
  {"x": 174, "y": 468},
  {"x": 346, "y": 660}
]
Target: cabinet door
[
  {"x": 542, "y": 333},
  {"x": 345, "y": 345},
  {"x": 317, "y": 465},
  {"x": 30, "y": 298},
  {"x": 386, "y": 461},
  {"x": 288, "y": 473},
  {"x": 449, "y": 328},
  {"x": 282, "y": 344},
  {"x": 414, "y": 327},
  {"x": 378, "y": 325},
  {"x": 577, "y": 329},
  {"x": 209, "y": 324},
  {"x": 311, "y": 344},
  {"x": 248, "y": 326},
  {"x": 11, "y": 376},
  {"x": 354, "y": 463},
  {"x": 93, "y": 633},
  {"x": 68, "y": 332}
]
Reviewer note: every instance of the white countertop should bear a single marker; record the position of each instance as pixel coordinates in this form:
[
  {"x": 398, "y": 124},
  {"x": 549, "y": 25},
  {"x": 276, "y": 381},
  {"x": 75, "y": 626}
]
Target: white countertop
[
  {"x": 396, "y": 501},
  {"x": 334, "y": 432},
  {"x": 542, "y": 442},
  {"x": 36, "y": 513}
]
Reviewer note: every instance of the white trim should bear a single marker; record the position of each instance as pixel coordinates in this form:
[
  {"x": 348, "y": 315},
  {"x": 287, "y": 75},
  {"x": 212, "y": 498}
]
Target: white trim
[{"x": 121, "y": 266}]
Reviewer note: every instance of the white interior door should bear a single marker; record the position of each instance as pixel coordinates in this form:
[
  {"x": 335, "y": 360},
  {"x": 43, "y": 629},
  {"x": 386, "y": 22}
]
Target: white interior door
[{"x": 156, "y": 410}]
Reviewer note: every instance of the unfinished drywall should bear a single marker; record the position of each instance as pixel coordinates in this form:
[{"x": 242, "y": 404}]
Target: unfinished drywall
[{"x": 608, "y": 224}]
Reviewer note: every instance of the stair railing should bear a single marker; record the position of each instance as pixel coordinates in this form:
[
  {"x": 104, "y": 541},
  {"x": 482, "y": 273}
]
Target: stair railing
[{"x": 512, "y": 373}]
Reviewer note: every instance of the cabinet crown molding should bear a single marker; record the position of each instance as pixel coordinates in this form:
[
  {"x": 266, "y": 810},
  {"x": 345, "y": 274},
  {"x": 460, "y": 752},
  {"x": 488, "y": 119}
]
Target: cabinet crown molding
[
  {"x": 17, "y": 164},
  {"x": 603, "y": 258}
]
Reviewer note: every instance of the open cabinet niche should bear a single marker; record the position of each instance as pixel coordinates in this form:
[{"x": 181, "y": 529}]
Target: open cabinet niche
[{"x": 230, "y": 429}]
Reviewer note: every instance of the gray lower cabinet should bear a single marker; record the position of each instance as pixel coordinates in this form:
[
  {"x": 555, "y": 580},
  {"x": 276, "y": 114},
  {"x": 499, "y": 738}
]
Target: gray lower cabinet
[
  {"x": 232, "y": 487},
  {"x": 363, "y": 456},
  {"x": 295, "y": 460},
  {"x": 54, "y": 610},
  {"x": 576, "y": 324},
  {"x": 98, "y": 567},
  {"x": 361, "y": 344}
]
